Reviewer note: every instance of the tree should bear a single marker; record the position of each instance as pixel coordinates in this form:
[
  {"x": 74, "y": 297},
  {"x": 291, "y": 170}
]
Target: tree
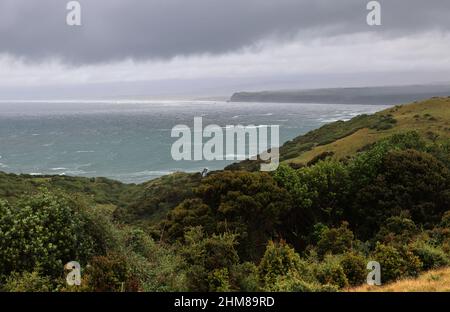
[
  {"x": 397, "y": 230},
  {"x": 409, "y": 182},
  {"x": 335, "y": 240},
  {"x": 251, "y": 205},
  {"x": 327, "y": 184},
  {"x": 278, "y": 260}
]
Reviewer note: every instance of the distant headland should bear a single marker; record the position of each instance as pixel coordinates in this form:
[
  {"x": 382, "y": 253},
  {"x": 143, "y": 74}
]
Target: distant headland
[{"x": 361, "y": 95}]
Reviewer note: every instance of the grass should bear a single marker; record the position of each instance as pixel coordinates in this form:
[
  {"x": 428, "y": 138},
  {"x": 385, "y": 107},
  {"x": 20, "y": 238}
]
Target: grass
[
  {"x": 430, "y": 118},
  {"x": 432, "y": 281}
]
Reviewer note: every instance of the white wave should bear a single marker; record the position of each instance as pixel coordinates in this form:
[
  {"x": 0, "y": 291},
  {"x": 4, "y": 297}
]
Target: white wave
[
  {"x": 146, "y": 173},
  {"x": 329, "y": 120}
]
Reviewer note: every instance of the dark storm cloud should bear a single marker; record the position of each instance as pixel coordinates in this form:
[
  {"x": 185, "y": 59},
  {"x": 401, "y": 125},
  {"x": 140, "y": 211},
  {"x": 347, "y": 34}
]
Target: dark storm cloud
[{"x": 118, "y": 29}]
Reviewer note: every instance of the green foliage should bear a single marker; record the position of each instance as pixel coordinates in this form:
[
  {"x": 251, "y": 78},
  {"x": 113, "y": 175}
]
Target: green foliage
[
  {"x": 289, "y": 179},
  {"x": 293, "y": 282},
  {"x": 331, "y": 272},
  {"x": 182, "y": 232},
  {"x": 154, "y": 199},
  {"x": 244, "y": 277},
  {"x": 44, "y": 231},
  {"x": 98, "y": 190},
  {"x": 366, "y": 165},
  {"x": 408, "y": 181},
  {"x": 397, "y": 230},
  {"x": 327, "y": 184},
  {"x": 155, "y": 267},
  {"x": 335, "y": 240},
  {"x": 208, "y": 259},
  {"x": 445, "y": 221},
  {"x": 385, "y": 122},
  {"x": 109, "y": 273},
  {"x": 218, "y": 280},
  {"x": 250, "y": 205},
  {"x": 354, "y": 266},
  {"x": 432, "y": 257},
  {"x": 28, "y": 282},
  {"x": 396, "y": 263},
  {"x": 279, "y": 259},
  {"x": 331, "y": 132}
]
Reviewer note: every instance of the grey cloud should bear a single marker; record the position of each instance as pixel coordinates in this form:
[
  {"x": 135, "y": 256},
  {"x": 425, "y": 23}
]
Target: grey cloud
[{"x": 119, "y": 29}]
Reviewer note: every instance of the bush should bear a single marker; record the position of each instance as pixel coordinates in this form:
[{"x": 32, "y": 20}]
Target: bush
[
  {"x": 395, "y": 263},
  {"x": 278, "y": 260},
  {"x": 330, "y": 272},
  {"x": 245, "y": 277},
  {"x": 445, "y": 221},
  {"x": 206, "y": 257},
  {"x": 28, "y": 282},
  {"x": 397, "y": 229},
  {"x": 218, "y": 280},
  {"x": 44, "y": 231},
  {"x": 293, "y": 282},
  {"x": 109, "y": 273},
  {"x": 354, "y": 266},
  {"x": 327, "y": 184},
  {"x": 335, "y": 240},
  {"x": 431, "y": 257},
  {"x": 162, "y": 271}
]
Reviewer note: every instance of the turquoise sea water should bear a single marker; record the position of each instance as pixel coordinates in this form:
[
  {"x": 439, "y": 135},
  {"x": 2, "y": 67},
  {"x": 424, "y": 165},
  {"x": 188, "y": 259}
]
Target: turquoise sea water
[{"x": 130, "y": 140}]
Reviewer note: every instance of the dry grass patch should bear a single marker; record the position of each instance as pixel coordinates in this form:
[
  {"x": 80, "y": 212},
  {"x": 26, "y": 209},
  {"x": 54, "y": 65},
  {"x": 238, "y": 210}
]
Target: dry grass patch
[{"x": 432, "y": 281}]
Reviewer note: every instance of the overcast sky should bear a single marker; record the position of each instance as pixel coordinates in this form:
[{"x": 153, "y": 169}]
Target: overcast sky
[{"x": 201, "y": 47}]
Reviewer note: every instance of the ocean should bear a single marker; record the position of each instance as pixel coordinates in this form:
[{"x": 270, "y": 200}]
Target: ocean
[{"x": 131, "y": 141}]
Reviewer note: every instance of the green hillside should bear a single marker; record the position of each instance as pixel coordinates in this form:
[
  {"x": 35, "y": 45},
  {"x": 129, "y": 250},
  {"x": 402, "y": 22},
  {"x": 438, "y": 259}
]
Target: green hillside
[
  {"x": 431, "y": 119},
  {"x": 341, "y": 139},
  {"x": 374, "y": 188}
]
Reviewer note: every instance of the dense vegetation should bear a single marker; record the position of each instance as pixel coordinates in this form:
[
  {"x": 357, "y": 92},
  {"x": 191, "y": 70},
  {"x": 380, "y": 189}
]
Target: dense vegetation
[{"x": 312, "y": 227}]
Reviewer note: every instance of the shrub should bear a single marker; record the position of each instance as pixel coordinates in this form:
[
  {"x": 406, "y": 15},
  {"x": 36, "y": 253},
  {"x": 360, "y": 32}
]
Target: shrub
[
  {"x": 162, "y": 271},
  {"x": 218, "y": 280},
  {"x": 432, "y": 257},
  {"x": 396, "y": 263},
  {"x": 278, "y": 260},
  {"x": 245, "y": 277},
  {"x": 331, "y": 272},
  {"x": 335, "y": 240},
  {"x": 27, "y": 282},
  {"x": 445, "y": 221},
  {"x": 293, "y": 282},
  {"x": 397, "y": 229},
  {"x": 327, "y": 185},
  {"x": 109, "y": 273},
  {"x": 44, "y": 231},
  {"x": 206, "y": 256},
  {"x": 354, "y": 266}
]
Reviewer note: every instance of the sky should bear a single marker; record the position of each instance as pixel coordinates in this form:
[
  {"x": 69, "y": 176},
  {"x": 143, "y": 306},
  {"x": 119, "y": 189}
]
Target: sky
[{"x": 135, "y": 48}]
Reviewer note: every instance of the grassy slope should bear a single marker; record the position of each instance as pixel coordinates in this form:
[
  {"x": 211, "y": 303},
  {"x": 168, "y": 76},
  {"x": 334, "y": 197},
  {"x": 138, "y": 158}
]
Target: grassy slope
[
  {"x": 158, "y": 197},
  {"x": 99, "y": 190},
  {"x": 432, "y": 281},
  {"x": 430, "y": 118}
]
